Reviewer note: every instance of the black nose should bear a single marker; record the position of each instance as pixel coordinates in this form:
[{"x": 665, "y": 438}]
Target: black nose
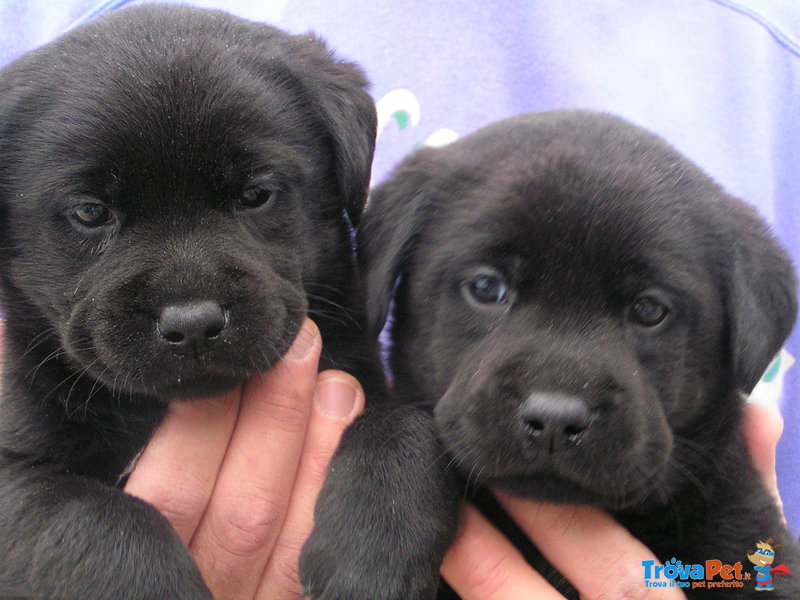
[
  {"x": 555, "y": 418},
  {"x": 191, "y": 328}
]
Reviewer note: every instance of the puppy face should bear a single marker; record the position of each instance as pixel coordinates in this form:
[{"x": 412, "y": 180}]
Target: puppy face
[
  {"x": 571, "y": 301},
  {"x": 173, "y": 187}
]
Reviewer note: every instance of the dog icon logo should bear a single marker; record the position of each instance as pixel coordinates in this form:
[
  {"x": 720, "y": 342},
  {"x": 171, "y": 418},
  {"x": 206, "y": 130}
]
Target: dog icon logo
[{"x": 763, "y": 558}]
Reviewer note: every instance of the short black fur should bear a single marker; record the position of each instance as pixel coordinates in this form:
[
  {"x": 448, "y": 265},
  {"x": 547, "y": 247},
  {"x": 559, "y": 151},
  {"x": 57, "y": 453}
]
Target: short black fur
[
  {"x": 177, "y": 188},
  {"x": 580, "y": 310}
]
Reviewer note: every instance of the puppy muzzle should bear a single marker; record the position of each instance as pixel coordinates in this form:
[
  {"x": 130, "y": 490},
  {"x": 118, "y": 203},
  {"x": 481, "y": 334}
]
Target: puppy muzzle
[
  {"x": 555, "y": 420},
  {"x": 544, "y": 417}
]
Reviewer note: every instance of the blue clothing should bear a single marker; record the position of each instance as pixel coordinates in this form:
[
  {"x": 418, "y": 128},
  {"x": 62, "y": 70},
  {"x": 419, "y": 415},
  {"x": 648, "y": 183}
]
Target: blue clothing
[
  {"x": 763, "y": 577},
  {"x": 717, "y": 78}
]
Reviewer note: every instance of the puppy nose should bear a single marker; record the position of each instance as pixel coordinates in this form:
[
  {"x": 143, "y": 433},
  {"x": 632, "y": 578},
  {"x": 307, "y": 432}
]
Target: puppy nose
[
  {"x": 555, "y": 418},
  {"x": 193, "y": 327}
]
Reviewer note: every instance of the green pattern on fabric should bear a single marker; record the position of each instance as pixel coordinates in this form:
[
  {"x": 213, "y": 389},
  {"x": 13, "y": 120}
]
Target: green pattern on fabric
[{"x": 772, "y": 370}]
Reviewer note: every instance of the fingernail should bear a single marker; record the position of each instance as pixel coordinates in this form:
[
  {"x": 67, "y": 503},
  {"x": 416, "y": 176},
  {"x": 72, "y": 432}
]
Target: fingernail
[
  {"x": 304, "y": 342},
  {"x": 336, "y": 398}
]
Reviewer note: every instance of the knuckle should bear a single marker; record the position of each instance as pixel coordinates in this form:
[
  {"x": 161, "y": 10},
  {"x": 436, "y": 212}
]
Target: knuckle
[
  {"x": 245, "y": 527},
  {"x": 487, "y": 579},
  {"x": 318, "y": 461},
  {"x": 287, "y": 569},
  {"x": 181, "y": 506},
  {"x": 285, "y": 411},
  {"x": 625, "y": 583}
]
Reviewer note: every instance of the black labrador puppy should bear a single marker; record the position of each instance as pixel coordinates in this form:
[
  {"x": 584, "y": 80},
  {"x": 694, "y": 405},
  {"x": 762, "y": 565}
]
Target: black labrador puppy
[
  {"x": 581, "y": 310},
  {"x": 177, "y": 188}
]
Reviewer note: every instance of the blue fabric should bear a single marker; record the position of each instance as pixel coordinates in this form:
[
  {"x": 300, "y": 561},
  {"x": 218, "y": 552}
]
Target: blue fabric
[
  {"x": 720, "y": 79},
  {"x": 763, "y": 573}
]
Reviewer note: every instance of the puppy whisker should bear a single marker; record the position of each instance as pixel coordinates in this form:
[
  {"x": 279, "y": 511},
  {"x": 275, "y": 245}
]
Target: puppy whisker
[
  {"x": 84, "y": 407},
  {"x": 38, "y": 340},
  {"x": 31, "y": 374},
  {"x": 676, "y": 462},
  {"x": 157, "y": 241},
  {"x": 338, "y": 309},
  {"x": 75, "y": 376}
]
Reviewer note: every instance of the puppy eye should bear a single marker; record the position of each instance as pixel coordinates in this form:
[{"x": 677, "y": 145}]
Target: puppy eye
[
  {"x": 92, "y": 214},
  {"x": 256, "y": 197},
  {"x": 648, "y": 311},
  {"x": 487, "y": 287}
]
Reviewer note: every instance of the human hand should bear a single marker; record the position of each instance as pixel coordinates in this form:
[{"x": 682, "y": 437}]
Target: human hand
[
  {"x": 238, "y": 476},
  {"x": 484, "y": 565},
  {"x": 763, "y": 426},
  {"x": 174, "y": 475}
]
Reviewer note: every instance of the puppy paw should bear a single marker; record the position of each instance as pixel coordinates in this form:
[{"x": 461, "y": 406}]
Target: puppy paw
[
  {"x": 386, "y": 514},
  {"x": 366, "y": 571},
  {"x": 105, "y": 545}
]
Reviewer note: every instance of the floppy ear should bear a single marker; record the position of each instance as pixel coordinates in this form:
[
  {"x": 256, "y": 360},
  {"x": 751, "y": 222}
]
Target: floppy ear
[
  {"x": 762, "y": 298},
  {"x": 12, "y": 120},
  {"x": 339, "y": 93},
  {"x": 387, "y": 236}
]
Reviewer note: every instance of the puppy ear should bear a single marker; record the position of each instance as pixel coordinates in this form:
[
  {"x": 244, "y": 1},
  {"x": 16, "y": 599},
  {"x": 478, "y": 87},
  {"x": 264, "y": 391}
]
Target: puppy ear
[
  {"x": 12, "y": 120},
  {"x": 762, "y": 298},
  {"x": 388, "y": 234},
  {"x": 339, "y": 93}
]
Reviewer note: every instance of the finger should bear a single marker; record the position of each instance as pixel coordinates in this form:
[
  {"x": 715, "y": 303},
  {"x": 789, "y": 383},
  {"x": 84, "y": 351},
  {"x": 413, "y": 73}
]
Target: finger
[
  {"x": 246, "y": 511},
  {"x": 763, "y": 425},
  {"x": 577, "y": 540},
  {"x": 338, "y": 399},
  {"x": 483, "y": 565},
  {"x": 178, "y": 468}
]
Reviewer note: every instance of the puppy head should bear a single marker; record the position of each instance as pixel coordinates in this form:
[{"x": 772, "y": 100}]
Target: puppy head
[
  {"x": 174, "y": 182},
  {"x": 580, "y": 303}
]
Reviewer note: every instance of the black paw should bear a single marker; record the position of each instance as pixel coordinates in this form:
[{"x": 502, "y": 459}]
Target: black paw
[
  {"x": 131, "y": 553},
  {"x": 356, "y": 569},
  {"x": 386, "y": 514}
]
